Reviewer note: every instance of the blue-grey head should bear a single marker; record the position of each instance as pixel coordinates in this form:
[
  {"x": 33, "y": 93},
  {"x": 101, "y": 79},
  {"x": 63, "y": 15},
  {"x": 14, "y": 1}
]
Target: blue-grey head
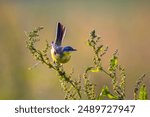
[{"x": 68, "y": 49}]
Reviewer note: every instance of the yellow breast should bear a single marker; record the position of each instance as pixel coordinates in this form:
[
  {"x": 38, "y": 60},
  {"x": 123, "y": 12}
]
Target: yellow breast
[{"x": 61, "y": 58}]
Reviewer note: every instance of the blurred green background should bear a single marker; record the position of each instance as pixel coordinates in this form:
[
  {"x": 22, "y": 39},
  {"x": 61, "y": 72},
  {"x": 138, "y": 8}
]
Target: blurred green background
[{"x": 122, "y": 24}]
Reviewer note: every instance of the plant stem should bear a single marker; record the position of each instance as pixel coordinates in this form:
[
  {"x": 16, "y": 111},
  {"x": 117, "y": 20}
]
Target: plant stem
[
  {"x": 106, "y": 72},
  {"x": 63, "y": 75}
]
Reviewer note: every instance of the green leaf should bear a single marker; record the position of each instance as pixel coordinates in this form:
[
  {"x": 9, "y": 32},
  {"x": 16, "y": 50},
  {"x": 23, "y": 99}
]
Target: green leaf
[
  {"x": 113, "y": 63},
  {"x": 106, "y": 93},
  {"x": 93, "y": 69},
  {"x": 143, "y": 93},
  {"x": 97, "y": 69}
]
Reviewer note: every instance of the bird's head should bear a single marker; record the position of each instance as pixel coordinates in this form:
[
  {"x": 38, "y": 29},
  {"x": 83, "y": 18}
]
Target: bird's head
[{"x": 68, "y": 49}]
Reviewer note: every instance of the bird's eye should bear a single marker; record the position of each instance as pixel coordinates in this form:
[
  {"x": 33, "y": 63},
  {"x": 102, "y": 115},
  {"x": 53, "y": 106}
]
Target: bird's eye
[{"x": 55, "y": 52}]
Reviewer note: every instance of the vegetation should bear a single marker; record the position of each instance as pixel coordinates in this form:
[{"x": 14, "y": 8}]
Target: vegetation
[{"x": 82, "y": 87}]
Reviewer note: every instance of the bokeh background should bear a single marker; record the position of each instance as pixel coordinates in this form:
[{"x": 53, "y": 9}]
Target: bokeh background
[{"x": 122, "y": 24}]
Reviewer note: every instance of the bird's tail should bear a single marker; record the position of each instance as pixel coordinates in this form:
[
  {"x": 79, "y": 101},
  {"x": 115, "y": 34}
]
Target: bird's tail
[{"x": 60, "y": 34}]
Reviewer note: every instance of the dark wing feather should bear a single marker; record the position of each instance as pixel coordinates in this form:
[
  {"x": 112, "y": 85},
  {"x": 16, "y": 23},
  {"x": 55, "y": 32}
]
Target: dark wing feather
[{"x": 60, "y": 34}]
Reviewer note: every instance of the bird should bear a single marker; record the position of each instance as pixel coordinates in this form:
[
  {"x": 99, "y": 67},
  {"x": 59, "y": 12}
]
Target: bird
[{"x": 59, "y": 53}]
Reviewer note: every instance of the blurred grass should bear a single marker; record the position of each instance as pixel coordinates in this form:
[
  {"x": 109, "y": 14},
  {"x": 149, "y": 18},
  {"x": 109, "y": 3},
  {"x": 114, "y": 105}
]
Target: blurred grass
[{"x": 122, "y": 24}]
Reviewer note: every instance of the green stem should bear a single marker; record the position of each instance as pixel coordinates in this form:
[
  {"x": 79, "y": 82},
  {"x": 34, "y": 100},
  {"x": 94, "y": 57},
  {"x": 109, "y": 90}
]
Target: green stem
[
  {"x": 75, "y": 89},
  {"x": 106, "y": 72},
  {"x": 67, "y": 79}
]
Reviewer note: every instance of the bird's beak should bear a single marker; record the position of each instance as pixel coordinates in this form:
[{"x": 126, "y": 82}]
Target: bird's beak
[{"x": 74, "y": 50}]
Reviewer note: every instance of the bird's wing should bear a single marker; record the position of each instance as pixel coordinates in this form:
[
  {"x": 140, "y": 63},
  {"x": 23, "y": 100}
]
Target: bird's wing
[{"x": 60, "y": 34}]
